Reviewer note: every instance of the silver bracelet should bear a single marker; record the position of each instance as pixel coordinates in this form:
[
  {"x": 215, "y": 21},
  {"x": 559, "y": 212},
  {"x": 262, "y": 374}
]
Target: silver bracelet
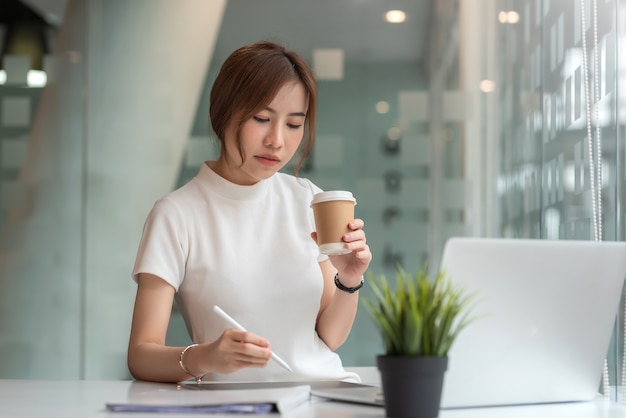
[{"x": 182, "y": 366}]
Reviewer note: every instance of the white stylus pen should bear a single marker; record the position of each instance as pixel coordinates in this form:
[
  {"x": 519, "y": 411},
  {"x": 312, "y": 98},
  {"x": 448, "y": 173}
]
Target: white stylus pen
[{"x": 237, "y": 325}]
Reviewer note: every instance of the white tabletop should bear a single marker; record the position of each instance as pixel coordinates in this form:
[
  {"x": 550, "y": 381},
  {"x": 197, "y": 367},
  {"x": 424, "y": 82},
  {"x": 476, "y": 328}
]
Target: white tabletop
[{"x": 87, "y": 398}]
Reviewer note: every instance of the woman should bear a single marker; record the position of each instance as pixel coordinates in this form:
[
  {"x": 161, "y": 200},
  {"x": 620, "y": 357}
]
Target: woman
[{"x": 240, "y": 235}]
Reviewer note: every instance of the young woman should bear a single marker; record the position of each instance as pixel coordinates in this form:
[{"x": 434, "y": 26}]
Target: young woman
[{"x": 240, "y": 235}]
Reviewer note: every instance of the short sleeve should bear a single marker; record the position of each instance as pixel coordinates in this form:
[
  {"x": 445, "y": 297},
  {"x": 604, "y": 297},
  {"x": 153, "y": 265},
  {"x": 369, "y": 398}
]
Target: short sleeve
[{"x": 164, "y": 245}]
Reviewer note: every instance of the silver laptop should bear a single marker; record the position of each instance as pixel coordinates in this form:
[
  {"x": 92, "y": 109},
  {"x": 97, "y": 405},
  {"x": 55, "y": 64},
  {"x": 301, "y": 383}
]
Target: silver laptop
[
  {"x": 550, "y": 308},
  {"x": 547, "y": 311}
]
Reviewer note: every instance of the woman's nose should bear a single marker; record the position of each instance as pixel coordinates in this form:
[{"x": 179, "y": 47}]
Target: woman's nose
[{"x": 275, "y": 138}]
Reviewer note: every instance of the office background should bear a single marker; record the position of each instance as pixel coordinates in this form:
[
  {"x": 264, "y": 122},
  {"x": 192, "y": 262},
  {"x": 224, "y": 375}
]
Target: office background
[{"x": 463, "y": 120}]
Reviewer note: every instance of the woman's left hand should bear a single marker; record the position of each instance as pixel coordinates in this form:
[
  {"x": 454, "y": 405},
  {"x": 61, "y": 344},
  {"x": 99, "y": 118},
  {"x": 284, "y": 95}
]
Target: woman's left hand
[{"x": 353, "y": 265}]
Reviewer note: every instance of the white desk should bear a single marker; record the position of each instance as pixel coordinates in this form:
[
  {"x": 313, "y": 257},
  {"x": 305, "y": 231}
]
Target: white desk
[{"x": 85, "y": 399}]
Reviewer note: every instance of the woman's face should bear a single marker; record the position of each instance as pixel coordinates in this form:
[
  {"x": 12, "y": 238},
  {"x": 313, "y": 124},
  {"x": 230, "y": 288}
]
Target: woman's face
[{"x": 269, "y": 139}]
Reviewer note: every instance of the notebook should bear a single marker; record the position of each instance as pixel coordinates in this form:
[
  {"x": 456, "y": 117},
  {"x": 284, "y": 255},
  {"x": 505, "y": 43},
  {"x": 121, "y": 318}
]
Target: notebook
[
  {"x": 547, "y": 310},
  {"x": 219, "y": 401}
]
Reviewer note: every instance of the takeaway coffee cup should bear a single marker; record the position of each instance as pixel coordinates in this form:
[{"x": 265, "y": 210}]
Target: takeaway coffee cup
[{"x": 333, "y": 210}]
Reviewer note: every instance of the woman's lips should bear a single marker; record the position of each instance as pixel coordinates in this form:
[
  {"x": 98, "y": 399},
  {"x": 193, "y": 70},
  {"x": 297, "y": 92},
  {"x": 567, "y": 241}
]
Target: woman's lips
[{"x": 268, "y": 160}]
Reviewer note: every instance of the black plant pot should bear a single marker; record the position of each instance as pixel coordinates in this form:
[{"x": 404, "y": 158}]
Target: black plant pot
[{"x": 412, "y": 385}]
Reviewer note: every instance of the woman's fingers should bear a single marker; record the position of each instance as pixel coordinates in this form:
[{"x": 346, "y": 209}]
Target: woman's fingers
[
  {"x": 356, "y": 238},
  {"x": 244, "y": 349}
]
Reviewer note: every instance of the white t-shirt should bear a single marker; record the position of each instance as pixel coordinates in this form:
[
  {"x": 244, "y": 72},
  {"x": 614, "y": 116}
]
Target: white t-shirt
[{"x": 248, "y": 250}]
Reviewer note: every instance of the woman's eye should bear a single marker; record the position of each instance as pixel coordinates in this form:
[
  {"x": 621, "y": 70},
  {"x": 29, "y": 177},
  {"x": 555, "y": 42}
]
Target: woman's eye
[
  {"x": 260, "y": 119},
  {"x": 294, "y": 125}
]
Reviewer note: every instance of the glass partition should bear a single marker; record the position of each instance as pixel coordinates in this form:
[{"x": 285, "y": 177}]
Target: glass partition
[{"x": 560, "y": 151}]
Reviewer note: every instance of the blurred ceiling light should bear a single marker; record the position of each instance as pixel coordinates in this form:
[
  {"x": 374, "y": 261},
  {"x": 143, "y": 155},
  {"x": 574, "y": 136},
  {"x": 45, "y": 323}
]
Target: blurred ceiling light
[
  {"x": 510, "y": 17},
  {"x": 513, "y": 17},
  {"x": 382, "y": 107},
  {"x": 394, "y": 133},
  {"x": 395, "y": 16},
  {"x": 487, "y": 86},
  {"x": 3, "y": 77},
  {"x": 36, "y": 78}
]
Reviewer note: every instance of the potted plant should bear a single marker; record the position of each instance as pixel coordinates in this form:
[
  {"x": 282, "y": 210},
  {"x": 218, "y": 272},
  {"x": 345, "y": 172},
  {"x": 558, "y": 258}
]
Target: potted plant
[{"x": 418, "y": 321}]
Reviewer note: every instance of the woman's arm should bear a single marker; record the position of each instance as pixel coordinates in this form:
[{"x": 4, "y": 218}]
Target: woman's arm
[
  {"x": 338, "y": 308},
  {"x": 146, "y": 348},
  {"x": 150, "y": 359}
]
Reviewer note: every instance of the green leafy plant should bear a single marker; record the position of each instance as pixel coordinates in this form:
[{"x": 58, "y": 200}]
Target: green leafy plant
[{"x": 422, "y": 316}]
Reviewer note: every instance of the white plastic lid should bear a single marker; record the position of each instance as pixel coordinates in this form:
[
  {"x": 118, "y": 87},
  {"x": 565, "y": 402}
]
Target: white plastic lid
[
  {"x": 332, "y": 195},
  {"x": 334, "y": 248}
]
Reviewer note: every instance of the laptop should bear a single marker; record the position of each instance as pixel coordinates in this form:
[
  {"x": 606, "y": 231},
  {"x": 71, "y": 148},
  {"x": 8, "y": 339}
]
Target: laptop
[{"x": 546, "y": 312}]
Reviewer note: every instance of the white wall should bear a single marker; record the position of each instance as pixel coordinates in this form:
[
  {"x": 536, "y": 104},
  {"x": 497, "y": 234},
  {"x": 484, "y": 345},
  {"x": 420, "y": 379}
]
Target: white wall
[{"x": 107, "y": 142}]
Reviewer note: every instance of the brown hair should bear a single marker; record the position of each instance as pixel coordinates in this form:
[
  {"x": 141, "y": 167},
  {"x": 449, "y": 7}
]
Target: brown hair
[{"x": 249, "y": 80}]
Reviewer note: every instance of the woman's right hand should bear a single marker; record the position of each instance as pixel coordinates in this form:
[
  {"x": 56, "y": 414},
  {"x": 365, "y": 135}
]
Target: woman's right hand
[{"x": 235, "y": 350}]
